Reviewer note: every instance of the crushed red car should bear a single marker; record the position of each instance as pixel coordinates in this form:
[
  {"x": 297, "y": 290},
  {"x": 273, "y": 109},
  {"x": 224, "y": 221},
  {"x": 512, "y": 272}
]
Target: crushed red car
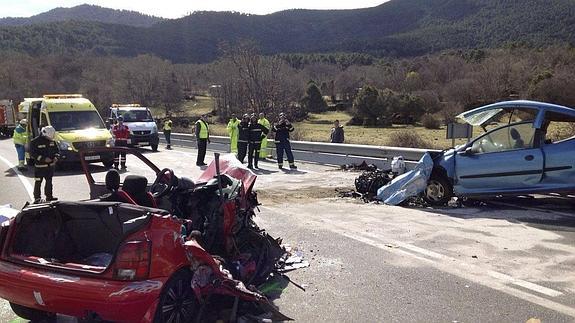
[{"x": 141, "y": 253}]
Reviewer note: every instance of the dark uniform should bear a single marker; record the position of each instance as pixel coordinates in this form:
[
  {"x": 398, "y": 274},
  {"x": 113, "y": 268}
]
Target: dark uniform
[
  {"x": 282, "y": 130},
  {"x": 257, "y": 132},
  {"x": 42, "y": 148},
  {"x": 243, "y": 137}
]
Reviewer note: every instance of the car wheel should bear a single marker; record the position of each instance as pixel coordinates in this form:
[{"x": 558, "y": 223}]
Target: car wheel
[
  {"x": 155, "y": 147},
  {"x": 32, "y": 314},
  {"x": 438, "y": 191},
  {"x": 178, "y": 302}
]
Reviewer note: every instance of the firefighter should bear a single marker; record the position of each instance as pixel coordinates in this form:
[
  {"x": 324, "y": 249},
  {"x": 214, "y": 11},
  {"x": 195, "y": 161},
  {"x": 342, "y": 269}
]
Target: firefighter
[
  {"x": 257, "y": 132},
  {"x": 168, "y": 132},
  {"x": 121, "y": 132},
  {"x": 202, "y": 138},
  {"x": 44, "y": 151},
  {"x": 20, "y": 137},
  {"x": 232, "y": 128},
  {"x": 282, "y": 129},
  {"x": 264, "y": 147},
  {"x": 243, "y": 137}
]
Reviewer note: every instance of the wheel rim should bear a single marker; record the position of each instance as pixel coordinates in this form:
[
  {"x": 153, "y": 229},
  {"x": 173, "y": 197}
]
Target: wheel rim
[
  {"x": 435, "y": 191},
  {"x": 179, "y": 304}
]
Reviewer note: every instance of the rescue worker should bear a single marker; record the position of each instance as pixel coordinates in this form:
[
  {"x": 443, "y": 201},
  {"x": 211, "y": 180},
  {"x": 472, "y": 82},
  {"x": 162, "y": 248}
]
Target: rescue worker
[
  {"x": 20, "y": 137},
  {"x": 202, "y": 138},
  {"x": 243, "y": 137},
  {"x": 257, "y": 132},
  {"x": 121, "y": 133},
  {"x": 282, "y": 129},
  {"x": 264, "y": 147},
  {"x": 44, "y": 151},
  {"x": 167, "y": 132},
  {"x": 232, "y": 128}
]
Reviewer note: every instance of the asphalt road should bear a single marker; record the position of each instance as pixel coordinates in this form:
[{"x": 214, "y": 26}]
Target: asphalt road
[{"x": 507, "y": 261}]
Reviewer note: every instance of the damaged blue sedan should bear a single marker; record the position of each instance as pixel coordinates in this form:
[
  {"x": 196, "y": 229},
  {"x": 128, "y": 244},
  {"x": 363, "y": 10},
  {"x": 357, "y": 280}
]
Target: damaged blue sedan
[{"x": 527, "y": 147}]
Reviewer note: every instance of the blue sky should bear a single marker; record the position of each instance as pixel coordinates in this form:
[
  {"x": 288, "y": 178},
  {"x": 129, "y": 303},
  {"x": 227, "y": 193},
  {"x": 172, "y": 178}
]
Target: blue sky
[{"x": 179, "y": 8}]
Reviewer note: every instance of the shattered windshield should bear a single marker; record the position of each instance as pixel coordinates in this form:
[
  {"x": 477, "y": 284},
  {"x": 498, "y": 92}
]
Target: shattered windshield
[{"x": 479, "y": 118}]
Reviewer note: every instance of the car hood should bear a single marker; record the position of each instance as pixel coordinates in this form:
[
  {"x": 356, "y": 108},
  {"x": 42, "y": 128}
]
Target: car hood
[
  {"x": 230, "y": 165},
  {"x": 83, "y": 135}
]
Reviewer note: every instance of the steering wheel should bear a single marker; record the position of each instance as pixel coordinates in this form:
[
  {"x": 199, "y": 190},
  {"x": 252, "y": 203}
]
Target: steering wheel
[{"x": 164, "y": 183}]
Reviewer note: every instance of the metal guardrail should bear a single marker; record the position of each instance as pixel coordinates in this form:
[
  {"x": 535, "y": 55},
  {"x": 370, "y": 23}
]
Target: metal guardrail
[{"x": 319, "y": 152}]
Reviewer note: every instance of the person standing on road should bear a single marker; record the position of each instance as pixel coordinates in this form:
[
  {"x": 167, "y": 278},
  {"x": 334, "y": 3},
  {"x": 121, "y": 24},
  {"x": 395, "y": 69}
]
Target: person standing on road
[
  {"x": 168, "y": 132},
  {"x": 20, "y": 137},
  {"x": 121, "y": 133},
  {"x": 232, "y": 128},
  {"x": 257, "y": 131},
  {"x": 264, "y": 147},
  {"x": 202, "y": 138},
  {"x": 243, "y": 137},
  {"x": 337, "y": 135},
  {"x": 44, "y": 151},
  {"x": 282, "y": 129}
]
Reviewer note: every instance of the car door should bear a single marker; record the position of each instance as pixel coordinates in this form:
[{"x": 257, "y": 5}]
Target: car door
[{"x": 505, "y": 159}]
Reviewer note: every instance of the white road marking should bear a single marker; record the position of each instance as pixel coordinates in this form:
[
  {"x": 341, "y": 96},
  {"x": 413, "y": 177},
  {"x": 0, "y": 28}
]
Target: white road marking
[
  {"x": 472, "y": 272},
  {"x": 21, "y": 177}
]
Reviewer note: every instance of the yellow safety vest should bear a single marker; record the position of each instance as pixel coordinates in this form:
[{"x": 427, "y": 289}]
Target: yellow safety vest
[
  {"x": 203, "y": 129},
  {"x": 168, "y": 125},
  {"x": 20, "y": 136},
  {"x": 264, "y": 122}
]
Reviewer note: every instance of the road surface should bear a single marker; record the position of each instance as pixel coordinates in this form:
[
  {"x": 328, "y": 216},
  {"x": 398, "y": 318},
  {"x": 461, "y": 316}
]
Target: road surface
[{"x": 505, "y": 262}]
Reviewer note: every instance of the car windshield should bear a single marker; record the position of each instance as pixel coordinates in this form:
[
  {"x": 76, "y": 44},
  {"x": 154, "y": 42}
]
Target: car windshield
[
  {"x": 135, "y": 115},
  {"x": 75, "y": 120}
]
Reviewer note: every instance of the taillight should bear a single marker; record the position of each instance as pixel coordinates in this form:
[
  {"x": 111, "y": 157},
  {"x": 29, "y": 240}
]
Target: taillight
[{"x": 133, "y": 260}]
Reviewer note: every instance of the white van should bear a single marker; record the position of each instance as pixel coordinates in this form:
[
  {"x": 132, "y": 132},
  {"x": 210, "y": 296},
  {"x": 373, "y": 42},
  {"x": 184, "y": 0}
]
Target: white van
[{"x": 143, "y": 128}]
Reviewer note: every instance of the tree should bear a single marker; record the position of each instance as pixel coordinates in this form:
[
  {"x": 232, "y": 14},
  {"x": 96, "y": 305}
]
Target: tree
[
  {"x": 313, "y": 100},
  {"x": 368, "y": 108}
]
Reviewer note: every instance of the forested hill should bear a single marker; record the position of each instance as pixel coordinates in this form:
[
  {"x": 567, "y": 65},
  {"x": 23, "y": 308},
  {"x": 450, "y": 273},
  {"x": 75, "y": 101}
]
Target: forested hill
[
  {"x": 86, "y": 13},
  {"x": 396, "y": 28}
]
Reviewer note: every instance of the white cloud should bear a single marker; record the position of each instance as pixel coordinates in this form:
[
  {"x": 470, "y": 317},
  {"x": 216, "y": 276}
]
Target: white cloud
[{"x": 178, "y": 8}]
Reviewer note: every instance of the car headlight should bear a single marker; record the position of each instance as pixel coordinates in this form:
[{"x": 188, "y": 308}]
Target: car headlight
[
  {"x": 110, "y": 142},
  {"x": 154, "y": 129},
  {"x": 64, "y": 145}
]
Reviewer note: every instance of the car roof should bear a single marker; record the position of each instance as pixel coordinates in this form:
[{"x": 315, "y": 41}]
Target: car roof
[{"x": 468, "y": 116}]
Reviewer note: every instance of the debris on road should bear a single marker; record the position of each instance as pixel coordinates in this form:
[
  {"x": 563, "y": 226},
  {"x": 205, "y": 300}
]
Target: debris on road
[
  {"x": 361, "y": 167},
  {"x": 407, "y": 185}
]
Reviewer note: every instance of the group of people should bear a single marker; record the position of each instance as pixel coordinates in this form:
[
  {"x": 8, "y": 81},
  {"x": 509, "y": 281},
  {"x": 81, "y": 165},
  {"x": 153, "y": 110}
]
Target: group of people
[{"x": 249, "y": 136}]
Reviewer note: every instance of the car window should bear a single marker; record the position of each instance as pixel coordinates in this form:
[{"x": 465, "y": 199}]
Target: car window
[
  {"x": 136, "y": 115},
  {"x": 558, "y": 127},
  {"x": 510, "y": 116},
  {"x": 512, "y": 137}
]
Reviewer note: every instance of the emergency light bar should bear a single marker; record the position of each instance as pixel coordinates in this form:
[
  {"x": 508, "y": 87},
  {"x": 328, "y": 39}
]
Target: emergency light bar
[
  {"x": 63, "y": 96},
  {"x": 116, "y": 105}
]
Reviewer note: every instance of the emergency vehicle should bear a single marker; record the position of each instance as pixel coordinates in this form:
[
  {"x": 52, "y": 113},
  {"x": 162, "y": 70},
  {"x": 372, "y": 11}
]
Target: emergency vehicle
[
  {"x": 77, "y": 122},
  {"x": 143, "y": 128}
]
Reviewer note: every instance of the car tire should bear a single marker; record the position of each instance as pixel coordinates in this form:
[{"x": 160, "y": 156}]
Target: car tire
[
  {"x": 177, "y": 301},
  {"x": 438, "y": 191},
  {"x": 154, "y": 147},
  {"x": 32, "y": 314}
]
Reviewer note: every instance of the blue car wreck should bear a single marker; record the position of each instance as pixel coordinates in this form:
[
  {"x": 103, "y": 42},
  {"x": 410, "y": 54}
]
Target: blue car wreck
[{"x": 527, "y": 147}]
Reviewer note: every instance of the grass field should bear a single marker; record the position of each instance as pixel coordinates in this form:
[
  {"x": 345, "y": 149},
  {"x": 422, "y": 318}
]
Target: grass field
[{"x": 318, "y": 128}]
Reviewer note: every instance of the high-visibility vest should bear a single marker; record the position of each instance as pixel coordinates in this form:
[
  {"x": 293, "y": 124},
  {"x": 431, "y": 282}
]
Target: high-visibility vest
[
  {"x": 203, "y": 129},
  {"x": 20, "y": 136},
  {"x": 264, "y": 122},
  {"x": 233, "y": 127},
  {"x": 168, "y": 125}
]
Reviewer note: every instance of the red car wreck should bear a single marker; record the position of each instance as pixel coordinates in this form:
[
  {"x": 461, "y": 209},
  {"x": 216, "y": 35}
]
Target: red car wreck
[{"x": 139, "y": 252}]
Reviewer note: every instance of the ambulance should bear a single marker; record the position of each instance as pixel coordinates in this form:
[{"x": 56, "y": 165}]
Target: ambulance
[{"x": 77, "y": 122}]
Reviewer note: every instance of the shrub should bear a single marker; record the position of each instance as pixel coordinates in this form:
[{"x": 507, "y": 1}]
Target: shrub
[
  {"x": 430, "y": 122},
  {"x": 407, "y": 139}
]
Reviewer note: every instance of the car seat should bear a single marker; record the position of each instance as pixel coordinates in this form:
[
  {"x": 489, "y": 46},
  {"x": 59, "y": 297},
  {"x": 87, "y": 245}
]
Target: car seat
[
  {"x": 135, "y": 186},
  {"x": 132, "y": 192}
]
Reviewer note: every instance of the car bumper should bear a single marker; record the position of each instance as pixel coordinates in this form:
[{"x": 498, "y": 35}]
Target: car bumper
[
  {"x": 73, "y": 156},
  {"x": 80, "y": 296},
  {"x": 144, "y": 140}
]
